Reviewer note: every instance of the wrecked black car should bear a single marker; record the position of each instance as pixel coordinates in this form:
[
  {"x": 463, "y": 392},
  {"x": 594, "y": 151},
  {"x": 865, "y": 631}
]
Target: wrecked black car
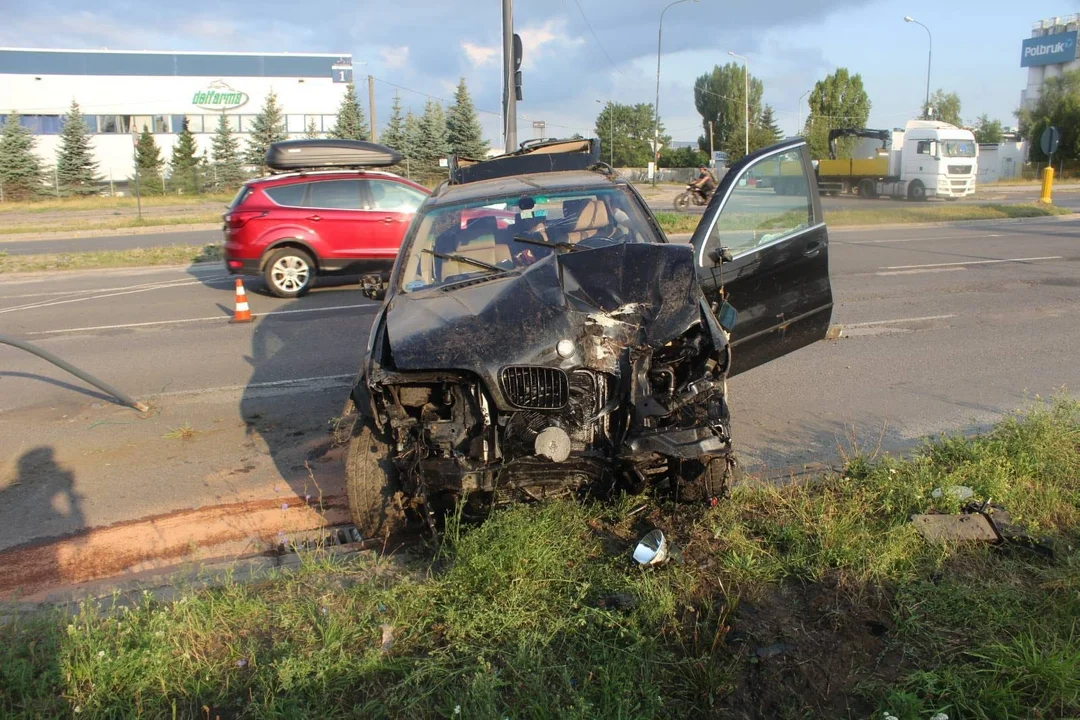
[{"x": 540, "y": 335}]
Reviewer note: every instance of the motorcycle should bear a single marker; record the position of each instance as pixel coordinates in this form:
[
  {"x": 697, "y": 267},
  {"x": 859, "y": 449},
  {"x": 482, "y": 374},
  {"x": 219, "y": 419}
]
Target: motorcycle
[{"x": 693, "y": 194}]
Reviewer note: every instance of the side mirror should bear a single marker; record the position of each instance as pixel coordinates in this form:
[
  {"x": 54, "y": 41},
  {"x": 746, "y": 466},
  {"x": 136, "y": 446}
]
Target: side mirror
[
  {"x": 726, "y": 316},
  {"x": 720, "y": 255}
]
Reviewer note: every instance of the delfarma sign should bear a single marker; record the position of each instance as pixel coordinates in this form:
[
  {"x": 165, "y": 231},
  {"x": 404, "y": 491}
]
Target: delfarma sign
[{"x": 219, "y": 96}]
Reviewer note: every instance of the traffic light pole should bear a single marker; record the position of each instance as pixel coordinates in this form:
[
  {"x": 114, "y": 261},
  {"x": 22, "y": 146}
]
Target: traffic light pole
[{"x": 509, "y": 71}]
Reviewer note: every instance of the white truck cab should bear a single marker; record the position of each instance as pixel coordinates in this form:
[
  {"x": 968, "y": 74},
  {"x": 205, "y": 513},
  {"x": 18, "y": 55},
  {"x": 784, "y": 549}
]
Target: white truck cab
[{"x": 934, "y": 159}]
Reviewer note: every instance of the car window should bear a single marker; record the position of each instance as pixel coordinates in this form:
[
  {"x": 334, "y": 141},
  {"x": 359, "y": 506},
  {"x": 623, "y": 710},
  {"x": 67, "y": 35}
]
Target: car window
[
  {"x": 288, "y": 195},
  {"x": 487, "y": 231},
  {"x": 240, "y": 197},
  {"x": 335, "y": 194},
  {"x": 394, "y": 196},
  {"x": 755, "y": 215}
]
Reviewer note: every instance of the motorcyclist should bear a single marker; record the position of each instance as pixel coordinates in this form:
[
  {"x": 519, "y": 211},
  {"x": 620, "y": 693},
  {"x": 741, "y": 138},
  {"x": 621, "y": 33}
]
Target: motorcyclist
[{"x": 704, "y": 183}]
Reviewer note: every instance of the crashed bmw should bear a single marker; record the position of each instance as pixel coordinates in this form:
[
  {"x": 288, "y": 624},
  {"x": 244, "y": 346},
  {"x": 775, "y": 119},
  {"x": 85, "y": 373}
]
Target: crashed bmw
[{"x": 541, "y": 336}]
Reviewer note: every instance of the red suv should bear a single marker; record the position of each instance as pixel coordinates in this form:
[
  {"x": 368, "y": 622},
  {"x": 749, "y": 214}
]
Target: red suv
[{"x": 289, "y": 228}]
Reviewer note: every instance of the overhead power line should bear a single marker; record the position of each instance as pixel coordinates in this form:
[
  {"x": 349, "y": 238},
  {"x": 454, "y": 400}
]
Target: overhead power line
[{"x": 602, "y": 48}]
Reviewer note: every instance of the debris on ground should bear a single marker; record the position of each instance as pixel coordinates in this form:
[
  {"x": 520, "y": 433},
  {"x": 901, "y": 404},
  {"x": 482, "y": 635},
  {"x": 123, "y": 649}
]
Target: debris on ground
[
  {"x": 960, "y": 492},
  {"x": 981, "y": 522}
]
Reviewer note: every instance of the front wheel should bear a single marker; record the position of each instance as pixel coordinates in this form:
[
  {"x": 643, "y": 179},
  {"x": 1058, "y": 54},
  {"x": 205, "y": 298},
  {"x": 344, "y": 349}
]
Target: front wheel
[
  {"x": 682, "y": 201},
  {"x": 916, "y": 191},
  {"x": 375, "y": 500},
  {"x": 289, "y": 272}
]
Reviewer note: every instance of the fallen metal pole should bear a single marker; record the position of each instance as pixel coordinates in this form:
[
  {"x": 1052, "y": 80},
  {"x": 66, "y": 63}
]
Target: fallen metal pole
[{"x": 84, "y": 376}]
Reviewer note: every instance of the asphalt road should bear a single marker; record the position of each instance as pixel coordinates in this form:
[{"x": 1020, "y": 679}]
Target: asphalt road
[
  {"x": 1067, "y": 198},
  {"x": 946, "y": 329}
]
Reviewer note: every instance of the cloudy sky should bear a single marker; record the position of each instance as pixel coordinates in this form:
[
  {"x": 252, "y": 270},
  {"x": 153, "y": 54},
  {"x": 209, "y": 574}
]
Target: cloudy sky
[{"x": 580, "y": 51}]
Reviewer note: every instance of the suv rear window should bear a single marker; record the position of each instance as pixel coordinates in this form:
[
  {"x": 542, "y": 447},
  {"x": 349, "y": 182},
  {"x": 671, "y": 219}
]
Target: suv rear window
[
  {"x": 241, "y": 196},
  {"x": 291, "y": 195}
]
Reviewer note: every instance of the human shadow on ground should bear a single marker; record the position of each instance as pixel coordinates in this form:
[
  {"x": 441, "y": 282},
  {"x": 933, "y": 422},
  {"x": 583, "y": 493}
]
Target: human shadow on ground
[{"x": 38, "y": 499}]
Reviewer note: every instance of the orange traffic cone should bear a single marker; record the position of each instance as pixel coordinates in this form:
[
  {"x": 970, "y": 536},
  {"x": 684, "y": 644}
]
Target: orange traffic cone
[{"x": 242, "y": 314}]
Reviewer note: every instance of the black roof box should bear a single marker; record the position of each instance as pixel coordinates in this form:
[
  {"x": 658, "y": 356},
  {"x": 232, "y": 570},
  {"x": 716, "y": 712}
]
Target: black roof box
[
  {"x": 308, "y": 154},
  {"x": 535, "y": 156}
]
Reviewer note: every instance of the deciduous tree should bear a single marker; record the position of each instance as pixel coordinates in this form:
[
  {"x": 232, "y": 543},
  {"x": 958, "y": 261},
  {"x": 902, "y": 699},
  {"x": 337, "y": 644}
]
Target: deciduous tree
[
  {"x": 76, "y": 169},
  {"x": 1058, "y": 105},
  {"x": 837, "y": 101},
  {"x": 718, "y": 96},
  {"x": 21, "y": 174},
  {"x": 634, "y": 126},
  {"x": 944, "y": 107},
  {"x": 988, "y": 131}
]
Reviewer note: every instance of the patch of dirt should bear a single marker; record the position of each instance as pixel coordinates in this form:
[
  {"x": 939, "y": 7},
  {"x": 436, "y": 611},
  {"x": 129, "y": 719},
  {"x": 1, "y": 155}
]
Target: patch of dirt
[{"x": 240, "y": 528}]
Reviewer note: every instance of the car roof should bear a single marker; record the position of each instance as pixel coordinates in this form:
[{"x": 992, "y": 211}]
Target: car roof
[
  {"x": 522, "y": 184},
  {"x": 303, "y": 175}
]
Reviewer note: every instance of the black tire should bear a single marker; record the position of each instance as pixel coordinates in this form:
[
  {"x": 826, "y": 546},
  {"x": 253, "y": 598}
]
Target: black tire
[
  {"x": 867, "y": 189},
  {"x": 682, "y": 201},
  {"x": 709, "y": 478},
  {"x": 375, "y": 500},
  {"x": 916, "y": 191},
  {"x": 289, "y": 272}
]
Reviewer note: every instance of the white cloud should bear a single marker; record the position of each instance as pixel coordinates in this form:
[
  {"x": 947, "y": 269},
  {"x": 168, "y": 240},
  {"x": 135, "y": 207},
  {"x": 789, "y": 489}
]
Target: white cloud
[
  {"x": 480, "y": 55},
  {"x": 538, "y": 40},
  {"x": 395, "y": 57}
]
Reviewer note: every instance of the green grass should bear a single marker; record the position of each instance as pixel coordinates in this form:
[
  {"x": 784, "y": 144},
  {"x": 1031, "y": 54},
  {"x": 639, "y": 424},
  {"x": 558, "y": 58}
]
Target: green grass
[
  {"x": 136, "y": 257},
  {"x": 515, "y": 617},
  {"x": 111, "y": 223},
  {"x": 678, "y": 223},
  {"x": 105, "y": 203}
]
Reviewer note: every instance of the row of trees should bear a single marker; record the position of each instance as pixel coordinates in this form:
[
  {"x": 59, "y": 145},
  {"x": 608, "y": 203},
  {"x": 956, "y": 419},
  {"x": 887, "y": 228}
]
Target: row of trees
[
  {"x": 425, "y": 139},
  {"x": 422, "y": 141}
]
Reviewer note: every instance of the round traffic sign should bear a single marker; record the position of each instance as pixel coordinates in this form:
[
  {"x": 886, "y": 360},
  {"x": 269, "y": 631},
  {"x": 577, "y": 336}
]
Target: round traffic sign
[{"x": 1051, "y": 137}]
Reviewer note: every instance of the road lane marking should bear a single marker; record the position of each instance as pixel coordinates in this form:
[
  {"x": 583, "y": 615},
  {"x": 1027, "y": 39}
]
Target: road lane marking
[
  {"x": 972, "y": 262},
  {"x": 60, "y": 293},
  {"x": 898, "y": 320},
  {"x": 924, "y": 270},
  {"x": 151, "y": 323},
  {"x": 919, "y": 239},
  {"x": 35, "y": 306}
]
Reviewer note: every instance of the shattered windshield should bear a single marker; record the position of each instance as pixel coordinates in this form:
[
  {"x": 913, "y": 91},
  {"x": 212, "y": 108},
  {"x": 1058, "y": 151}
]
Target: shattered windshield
[
  {"x": 958, "y": 148},
  {"x": 498, "y": 235}
]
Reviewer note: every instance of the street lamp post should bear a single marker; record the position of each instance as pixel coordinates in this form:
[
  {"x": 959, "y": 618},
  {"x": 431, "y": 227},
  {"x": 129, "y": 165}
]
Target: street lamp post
[
  {"x": 929, "y": 56},
  {"x": 659, "y": 42},
  {"x": 611, "y": 125},
  {"x": 746, "y": 99},
  {"x": 798, "y": 128}
]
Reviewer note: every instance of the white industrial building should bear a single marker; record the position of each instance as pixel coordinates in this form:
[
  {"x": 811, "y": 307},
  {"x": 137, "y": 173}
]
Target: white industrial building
[
  {"x": 121, "y": 92},
  {"x": 1050, "y": 51}
]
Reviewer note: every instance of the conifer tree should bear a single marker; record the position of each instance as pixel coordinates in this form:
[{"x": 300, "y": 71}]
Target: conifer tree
[
  {"x": 185, "y": 162},
  {"x": 267, "y": 129},
  {"x": 351, "y": 123},
  {"x": 21, "y": 173},
  {"x": 227, "y": 165},
  {"x": 76, "y": 169},
  {"x": 464, "y": 134}
]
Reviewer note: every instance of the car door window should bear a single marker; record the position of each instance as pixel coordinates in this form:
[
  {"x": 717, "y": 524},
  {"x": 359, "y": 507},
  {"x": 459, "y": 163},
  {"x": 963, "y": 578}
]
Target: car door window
[
  {"x": 335, "y": 195},
  {"x": 288, "y": 195},
  {"x": 754, "y": 215},
  {"x": 394, "y": 196}
]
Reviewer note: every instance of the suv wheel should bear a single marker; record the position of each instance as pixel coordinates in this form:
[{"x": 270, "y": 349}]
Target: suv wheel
[
  {"x": 289, "y": 272},
  {"x": 371, "y": 483}
]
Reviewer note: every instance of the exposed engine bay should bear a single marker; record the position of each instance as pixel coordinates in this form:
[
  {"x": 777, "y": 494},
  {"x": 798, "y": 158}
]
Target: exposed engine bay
[{"x": 596, "y": 369}]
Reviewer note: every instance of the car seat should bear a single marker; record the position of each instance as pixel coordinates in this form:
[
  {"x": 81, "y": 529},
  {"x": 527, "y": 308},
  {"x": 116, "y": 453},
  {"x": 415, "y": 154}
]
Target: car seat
[
  {"x": 590, "y": 218},
  {"x": 477, "y": 241}
]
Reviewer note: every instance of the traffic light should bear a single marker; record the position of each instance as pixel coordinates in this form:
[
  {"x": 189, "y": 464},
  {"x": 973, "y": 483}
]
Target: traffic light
[{"x": 517, "y": 66}]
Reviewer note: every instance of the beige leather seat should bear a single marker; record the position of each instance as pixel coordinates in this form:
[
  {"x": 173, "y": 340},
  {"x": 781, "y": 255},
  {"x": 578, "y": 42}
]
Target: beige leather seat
[
  {"x": 592, "y": 219},
  {"x": 477, "y": 241}
]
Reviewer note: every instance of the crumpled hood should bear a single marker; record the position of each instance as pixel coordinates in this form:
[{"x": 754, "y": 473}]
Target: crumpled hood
[{"x": 640, "y": 294}]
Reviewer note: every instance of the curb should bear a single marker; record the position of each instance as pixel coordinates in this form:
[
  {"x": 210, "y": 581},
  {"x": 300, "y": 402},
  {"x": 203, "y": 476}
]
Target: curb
[{"x": 106, "y": 232}]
